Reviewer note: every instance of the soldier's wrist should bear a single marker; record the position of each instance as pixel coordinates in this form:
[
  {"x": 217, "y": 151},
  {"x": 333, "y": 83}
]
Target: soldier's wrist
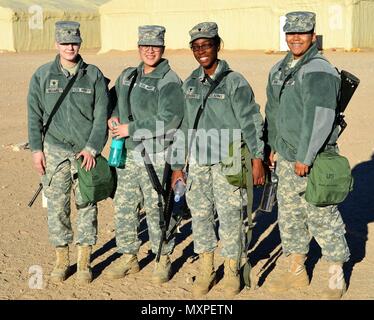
[{"x": 92, "y": 151}]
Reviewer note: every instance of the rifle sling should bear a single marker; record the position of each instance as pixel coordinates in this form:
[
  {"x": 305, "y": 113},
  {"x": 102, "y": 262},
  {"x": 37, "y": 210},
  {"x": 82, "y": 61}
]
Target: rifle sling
[
  {"x": 213, "y": 85},
  {"x": 147, "y": 160},
  {"x": 58, "y": 104}
]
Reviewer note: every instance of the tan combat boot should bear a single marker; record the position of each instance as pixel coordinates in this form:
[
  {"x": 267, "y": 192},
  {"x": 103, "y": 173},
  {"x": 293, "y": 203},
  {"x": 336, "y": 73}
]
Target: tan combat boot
[
  {"x": 336, "y": 284},
  {"x": 231, "y": 279},
  {"x": 126, "y": 264},
  {"x": 161, "y": 271},
  {"x": 296, "y": 277},
  {"x": 61, "y": 268},
  {"x": 84, "y": 273},
  {"x": 206, "y": 278}
]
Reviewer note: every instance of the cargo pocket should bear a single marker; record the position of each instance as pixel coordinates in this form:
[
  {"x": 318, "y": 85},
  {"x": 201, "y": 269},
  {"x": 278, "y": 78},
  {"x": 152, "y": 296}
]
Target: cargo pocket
[
  {"x": 188, "y": 189},
  {"x": 46, "y": 181}
]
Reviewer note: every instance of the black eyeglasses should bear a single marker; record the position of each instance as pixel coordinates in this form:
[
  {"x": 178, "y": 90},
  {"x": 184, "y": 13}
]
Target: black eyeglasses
[
  {"x": 148, "y": 48},
  {"x": 203, "y": 47}
]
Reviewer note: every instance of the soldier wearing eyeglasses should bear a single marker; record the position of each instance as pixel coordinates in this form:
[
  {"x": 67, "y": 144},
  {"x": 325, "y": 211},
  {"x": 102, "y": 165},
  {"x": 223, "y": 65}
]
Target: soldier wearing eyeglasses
[
  {"x": 156, "y": 103},
  {"x": 231, "y": 106}
]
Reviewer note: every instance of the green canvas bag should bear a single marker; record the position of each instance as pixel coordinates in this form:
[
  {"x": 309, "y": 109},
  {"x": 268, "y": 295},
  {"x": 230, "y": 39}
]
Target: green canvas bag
[
  {"x": 99, "y": 183},
  {"x": 238, "y": 165},
  {"x": 330, "y": 179}
]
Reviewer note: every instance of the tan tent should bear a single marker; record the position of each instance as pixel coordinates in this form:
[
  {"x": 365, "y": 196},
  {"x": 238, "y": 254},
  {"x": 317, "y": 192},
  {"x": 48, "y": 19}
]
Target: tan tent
[
  {"x": 243, "y": 24},
  {"x": 29, "y": 25}
]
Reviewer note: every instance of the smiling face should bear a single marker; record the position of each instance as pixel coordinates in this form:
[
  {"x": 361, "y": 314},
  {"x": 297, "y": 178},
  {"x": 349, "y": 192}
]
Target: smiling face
[
  {"x": 68, "y": 53},
  {"x": 151, "y": 56},
  {"x": 299, "y": 43},
  {"x": 206, "y": 54}
]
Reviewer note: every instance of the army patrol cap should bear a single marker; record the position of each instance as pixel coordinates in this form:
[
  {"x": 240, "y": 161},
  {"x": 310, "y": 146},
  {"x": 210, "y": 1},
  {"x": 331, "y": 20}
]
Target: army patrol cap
[
  {"x": 299, "y": 21},
  {"x": 204, "y": 30},
  {"x": 68, "y": 32},
  {"x": 151, "y": 35}
]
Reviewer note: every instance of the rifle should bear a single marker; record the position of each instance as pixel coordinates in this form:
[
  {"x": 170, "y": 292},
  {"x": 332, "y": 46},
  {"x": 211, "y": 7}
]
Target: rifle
[
  {"x": 170, "y": 218},
  {"x": 164, "y": 197},
  {"x": 35, "y": 195},
  {"x": 349, "y": 84},
  {"x": 178, "y": 213}
]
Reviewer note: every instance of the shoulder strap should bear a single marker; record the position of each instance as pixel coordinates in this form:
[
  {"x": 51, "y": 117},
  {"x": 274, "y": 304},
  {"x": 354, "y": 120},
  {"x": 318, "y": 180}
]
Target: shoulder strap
[
  {"x": 296, "y": 68},
  {"x": 58, "y": 103},
  {"x": 133, "y": 75},
  {"x": 214, "y": 85},
  {"x": 147, "y": 160}
]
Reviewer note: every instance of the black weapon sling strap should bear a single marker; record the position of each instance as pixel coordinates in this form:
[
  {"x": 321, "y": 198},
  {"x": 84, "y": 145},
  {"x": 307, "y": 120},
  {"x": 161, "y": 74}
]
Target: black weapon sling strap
[
  {"x": 58, "y": 104},
  {"x": 214, "y": 84},
  {"x": 157, "y": 186},
  {"x": 46, "y": 126}
]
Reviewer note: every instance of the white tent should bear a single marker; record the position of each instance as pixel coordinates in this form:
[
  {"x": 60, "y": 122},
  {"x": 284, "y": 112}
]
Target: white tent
[
  {"x": 243, "y": 24},
  {"x": 29, "y": 25}
]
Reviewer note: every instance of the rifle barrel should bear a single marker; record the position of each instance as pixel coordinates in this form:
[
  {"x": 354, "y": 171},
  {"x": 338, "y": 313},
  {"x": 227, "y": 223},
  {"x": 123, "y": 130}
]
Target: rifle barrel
[{"x": 35, "y": 195}]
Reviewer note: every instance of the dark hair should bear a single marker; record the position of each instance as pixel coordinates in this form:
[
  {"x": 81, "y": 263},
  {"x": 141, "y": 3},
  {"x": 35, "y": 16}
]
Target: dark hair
[{"x": 218, "y": 42}]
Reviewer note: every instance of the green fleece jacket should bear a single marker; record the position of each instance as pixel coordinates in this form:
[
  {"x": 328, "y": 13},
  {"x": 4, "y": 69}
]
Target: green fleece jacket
[
  {"x": 301, "y": 106},
  {"x": 156, "y": 105},
  {"x": 81, "y": 120},
  {"x": 231, "y": 113}
]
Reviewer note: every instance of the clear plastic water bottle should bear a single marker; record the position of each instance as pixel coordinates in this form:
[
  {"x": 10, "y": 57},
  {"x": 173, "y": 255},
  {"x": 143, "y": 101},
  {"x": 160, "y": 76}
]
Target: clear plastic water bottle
[
  {"x": 179, "y": 190},
  {"x": 117, "y": 155}
]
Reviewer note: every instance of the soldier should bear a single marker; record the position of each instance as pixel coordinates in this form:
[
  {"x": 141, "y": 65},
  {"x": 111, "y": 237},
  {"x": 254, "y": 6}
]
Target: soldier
[
  {"x": 230, "y": 107},
  {"x": 156, "y": 107},
  {"x": 78, "y": 129},
  {"x": 302, "y": 98}
]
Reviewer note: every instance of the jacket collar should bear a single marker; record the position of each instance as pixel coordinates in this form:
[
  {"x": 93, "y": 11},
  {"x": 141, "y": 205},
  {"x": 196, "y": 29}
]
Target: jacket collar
[
  {"x": 199, "y": 72},
  {"x": 162, "y": 68},
  {"x": 56, "y": 66},
  {"x": 311, "y": 52}
]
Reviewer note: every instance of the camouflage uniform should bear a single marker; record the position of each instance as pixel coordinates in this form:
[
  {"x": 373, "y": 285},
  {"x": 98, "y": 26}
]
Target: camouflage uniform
[
  {"x": 207, "y": 191},
  {"x": 79, "y": 124},
  {"x": 300, "y": 113},
  {"x": 230, "y": 109},
  {"x": 156, "y": 106},
  {"x": 299, "y": 220},
  {"x": 134, "y": 188},
  {"x": 57, "y": 184}
]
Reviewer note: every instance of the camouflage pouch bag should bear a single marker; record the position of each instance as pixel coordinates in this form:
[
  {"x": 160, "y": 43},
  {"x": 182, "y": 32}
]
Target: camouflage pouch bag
[
  {"x": 237, "y": 165},
  {"x": 330, "y": 179},
  {"x": 99, "y": 183}
]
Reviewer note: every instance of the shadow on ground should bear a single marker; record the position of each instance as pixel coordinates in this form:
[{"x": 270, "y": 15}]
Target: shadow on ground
[{"x": 357, "y": 212}]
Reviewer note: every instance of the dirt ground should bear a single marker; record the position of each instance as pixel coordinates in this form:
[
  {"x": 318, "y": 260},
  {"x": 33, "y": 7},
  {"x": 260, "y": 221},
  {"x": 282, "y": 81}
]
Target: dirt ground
[{"x": 26, "y": 253}]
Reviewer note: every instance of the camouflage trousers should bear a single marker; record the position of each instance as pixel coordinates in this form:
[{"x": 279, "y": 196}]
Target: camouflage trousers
[
  {"x": 57, "y": 184},
  {"x": 299, "y": 220},
  {"x": 134, "y": 189},
  {"x": 207, "y": 191}
]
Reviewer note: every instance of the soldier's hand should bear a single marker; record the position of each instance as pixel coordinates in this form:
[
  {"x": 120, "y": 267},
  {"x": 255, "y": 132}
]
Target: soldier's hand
[
  {"x": 110, "y": 122},
  {"x": 301, "y": 169},
  {"x": 39, "y": 162},
  {"x": 88, "y": 161},
  {"x": 121, "y": 131},
  {"x": 175, "y": 176},
  {"x": 258, "y": 172},
  {"x": 271, "y": 159}
]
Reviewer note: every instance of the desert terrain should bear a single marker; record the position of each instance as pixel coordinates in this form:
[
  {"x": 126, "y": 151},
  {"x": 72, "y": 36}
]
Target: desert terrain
[{"x": 26, "y": 253}]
